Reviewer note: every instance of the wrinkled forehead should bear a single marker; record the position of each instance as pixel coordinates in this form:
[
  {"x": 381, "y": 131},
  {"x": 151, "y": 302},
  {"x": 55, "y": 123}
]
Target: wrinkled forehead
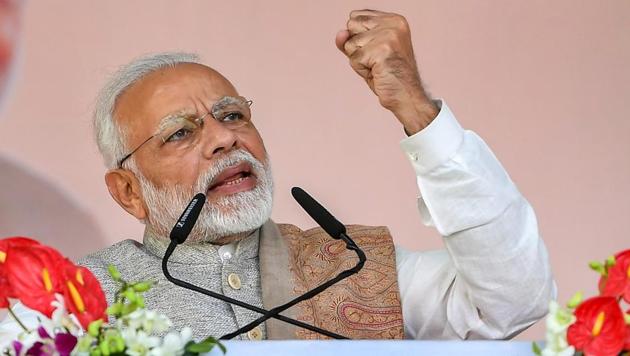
[{"x": 184, "y": 88}]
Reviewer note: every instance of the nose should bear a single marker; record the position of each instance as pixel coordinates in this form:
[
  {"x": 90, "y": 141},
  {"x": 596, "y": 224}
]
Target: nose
[{"x": 217, "y": 138}]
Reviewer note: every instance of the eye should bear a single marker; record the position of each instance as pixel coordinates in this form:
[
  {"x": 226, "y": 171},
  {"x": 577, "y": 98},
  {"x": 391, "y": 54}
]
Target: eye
[
  {"x": 179, "y": 135},
  {"x": 232, "y": 116}
]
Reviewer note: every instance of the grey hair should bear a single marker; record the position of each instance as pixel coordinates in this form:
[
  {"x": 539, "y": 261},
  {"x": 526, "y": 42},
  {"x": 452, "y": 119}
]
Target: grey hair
[{"x": 110, "y": 137}]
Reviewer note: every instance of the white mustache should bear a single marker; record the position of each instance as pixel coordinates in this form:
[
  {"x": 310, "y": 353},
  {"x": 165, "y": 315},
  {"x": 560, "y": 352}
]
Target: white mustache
[{"x": 229, "y": 160}]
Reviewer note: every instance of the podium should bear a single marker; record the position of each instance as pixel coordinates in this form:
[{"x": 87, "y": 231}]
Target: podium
[{"x": 376, "y": 348}]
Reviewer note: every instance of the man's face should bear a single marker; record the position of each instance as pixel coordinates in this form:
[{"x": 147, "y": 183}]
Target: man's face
[
  {"x": 9, "y": 24},
  {"x": 228, "y": 164}
]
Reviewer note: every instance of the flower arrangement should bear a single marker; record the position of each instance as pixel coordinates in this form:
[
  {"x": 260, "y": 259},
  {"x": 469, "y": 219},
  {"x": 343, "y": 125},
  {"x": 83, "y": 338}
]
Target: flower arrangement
[
  {"x": 598, "y": 326},
  {"x": 74, "y": 312}
]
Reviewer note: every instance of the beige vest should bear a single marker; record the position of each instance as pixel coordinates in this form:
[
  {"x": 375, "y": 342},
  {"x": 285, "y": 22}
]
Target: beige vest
[{"x": 363, "y": 306}]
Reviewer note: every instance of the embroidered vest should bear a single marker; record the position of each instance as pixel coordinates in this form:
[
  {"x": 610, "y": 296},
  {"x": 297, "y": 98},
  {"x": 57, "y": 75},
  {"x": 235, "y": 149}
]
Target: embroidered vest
[{"x": 363, "y": 306}]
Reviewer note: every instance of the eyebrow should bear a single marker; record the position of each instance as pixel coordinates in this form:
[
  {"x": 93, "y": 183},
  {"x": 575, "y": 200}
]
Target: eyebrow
[
  {"x": 170, "y": 118},
  {"x": 222, "y": 103}
]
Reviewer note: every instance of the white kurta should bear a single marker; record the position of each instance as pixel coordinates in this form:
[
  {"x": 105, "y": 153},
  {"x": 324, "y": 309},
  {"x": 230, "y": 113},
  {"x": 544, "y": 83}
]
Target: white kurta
[{"x": 492, "y": 280}]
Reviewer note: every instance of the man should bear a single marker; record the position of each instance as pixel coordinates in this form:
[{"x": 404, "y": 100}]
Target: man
[{"x": 169, "y": 127}]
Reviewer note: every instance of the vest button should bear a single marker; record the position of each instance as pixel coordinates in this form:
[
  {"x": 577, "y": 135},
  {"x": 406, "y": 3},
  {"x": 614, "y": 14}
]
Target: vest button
[
  {"x": 255, "y": 334},
  {"x": 234, "y": 281}
]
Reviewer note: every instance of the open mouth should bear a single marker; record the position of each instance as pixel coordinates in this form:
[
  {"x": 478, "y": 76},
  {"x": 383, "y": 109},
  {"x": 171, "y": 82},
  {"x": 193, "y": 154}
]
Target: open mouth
[{"x": 233, "y": 180}]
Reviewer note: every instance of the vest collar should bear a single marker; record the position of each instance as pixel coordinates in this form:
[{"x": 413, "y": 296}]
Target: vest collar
[{"x": 200, "y": 253}]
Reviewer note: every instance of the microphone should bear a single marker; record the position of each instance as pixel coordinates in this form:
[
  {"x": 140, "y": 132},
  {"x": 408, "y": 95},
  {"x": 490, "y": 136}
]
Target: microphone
[
  {"x": 179, "y": 234},
  {"x": 321, "y": 216},
  {"x": 187, "y": 220},
  {"x": 336, "y": 230}
]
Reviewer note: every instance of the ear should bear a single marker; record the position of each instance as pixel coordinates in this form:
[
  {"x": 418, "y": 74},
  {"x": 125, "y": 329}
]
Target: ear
[{"x": 125, "y": 189}]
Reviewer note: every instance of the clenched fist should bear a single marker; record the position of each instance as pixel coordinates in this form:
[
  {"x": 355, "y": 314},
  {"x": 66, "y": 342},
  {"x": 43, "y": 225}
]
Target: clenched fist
[{"x": 379, "y": 47}]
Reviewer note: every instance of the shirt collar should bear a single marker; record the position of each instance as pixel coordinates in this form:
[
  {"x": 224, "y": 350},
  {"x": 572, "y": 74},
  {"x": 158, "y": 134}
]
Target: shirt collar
[{"x": 203, "y": 252}]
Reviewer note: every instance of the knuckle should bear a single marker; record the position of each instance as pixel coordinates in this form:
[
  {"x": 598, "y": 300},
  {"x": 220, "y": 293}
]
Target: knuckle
[
  {"x": 362, "y": 18},
  {"x": 390, "y": 34},
  {"x": 357, "y": 55},
  {"x": 385, "y": 47},
  {"x": 348, "y": 47},
  {"x": 401, "y": 22}
]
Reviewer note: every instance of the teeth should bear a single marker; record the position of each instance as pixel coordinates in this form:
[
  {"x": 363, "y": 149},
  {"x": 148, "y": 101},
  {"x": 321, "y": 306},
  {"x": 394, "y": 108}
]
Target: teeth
[{"x": 232, "y": 182}]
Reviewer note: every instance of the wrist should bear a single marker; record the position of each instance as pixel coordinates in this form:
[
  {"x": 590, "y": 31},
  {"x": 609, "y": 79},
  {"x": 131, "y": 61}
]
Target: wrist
[{"x": 417, "y": 115}]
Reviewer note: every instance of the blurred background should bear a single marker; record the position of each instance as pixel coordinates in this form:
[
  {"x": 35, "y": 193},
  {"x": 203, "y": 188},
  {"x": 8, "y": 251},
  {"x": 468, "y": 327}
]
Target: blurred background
[{"x": 546, "y": 84}]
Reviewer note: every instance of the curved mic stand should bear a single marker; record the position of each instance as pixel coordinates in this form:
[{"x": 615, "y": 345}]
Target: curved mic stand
[
  {"x": 267, "y": 313},
  {"x": 274, "y": 313}
]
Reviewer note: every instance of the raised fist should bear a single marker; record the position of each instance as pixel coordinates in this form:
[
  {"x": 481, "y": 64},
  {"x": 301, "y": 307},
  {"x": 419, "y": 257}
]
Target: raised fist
[{"x": 379, "y": 47}]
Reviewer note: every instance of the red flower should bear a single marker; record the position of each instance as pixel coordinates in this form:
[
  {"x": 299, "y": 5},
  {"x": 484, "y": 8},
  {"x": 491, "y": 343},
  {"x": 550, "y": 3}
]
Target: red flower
[
  {"x": 599, "y": 329},
  {"x": 34, "y": 276},
  {"x": 626, "y": 345},
  {"x": 617, "y": 283},
  {"x": 5, "y": 245},
  {"x": 83, "y": 294}
]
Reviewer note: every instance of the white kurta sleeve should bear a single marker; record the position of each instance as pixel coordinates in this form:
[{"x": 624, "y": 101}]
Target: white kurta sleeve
[{"x": 494, "y": 278}]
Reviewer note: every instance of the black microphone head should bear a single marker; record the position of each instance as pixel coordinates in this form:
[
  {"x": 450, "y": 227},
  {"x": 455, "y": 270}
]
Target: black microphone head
[
  {"x": 321, "y": 216},
  {"x": 187, "y": 220}
]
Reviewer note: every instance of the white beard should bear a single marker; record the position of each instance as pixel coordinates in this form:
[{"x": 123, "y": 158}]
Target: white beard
[{"x": 231, "y": 215}]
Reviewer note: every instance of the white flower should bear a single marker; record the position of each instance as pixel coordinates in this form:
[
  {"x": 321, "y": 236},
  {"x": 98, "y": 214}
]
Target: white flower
[
  {"x": 173, "y": 343},
  {"x": 570, "y": 351},
  {"x": 558, "y": 321},
  {"x": 138, "y": 342},
  {"x": 61, "y": 318},
  {"x": 148, "y": 320}
]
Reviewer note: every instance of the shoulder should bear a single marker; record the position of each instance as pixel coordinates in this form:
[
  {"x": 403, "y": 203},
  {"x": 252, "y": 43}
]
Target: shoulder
[
  {"x": 118, "y": 252},
  {"x": 126, "y": 255}
]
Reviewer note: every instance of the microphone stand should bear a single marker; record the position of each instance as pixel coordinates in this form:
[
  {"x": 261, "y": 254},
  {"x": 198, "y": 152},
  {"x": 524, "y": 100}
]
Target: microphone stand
[
  {"x": 184, "y": 284},
  {"x": 275, "y": 312},
  {"x": 334, "y": 228}
]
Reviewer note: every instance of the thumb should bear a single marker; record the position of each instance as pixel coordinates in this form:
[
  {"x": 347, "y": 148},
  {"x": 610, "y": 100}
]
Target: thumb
[{"x": 341, "y": 38}]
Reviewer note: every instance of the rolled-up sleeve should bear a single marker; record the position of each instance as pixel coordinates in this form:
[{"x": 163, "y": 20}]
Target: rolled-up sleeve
[{"x": 493, "y": 279}]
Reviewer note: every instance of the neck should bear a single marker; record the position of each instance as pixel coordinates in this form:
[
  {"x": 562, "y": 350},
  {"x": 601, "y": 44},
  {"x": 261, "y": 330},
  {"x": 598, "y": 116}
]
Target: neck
[
  {"x": 223, "y": 240},
  {"x": 232, "y": 238}
]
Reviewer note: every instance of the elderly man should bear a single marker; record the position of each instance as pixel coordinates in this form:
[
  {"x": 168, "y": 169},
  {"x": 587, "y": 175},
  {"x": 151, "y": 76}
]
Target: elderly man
[{"x": 169, "y": 127}]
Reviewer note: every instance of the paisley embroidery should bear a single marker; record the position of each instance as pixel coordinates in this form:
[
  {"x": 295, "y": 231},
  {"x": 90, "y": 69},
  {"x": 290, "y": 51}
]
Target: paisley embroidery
[{"x": 364, "y": 306}]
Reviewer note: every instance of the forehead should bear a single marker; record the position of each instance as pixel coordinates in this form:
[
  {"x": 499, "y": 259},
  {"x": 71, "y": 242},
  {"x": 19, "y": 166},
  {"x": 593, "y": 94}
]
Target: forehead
[{"x": 183, "y": 87}]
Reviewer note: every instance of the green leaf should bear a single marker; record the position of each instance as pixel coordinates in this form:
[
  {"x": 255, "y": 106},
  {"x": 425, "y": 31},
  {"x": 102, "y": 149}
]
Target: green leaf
[
  {"x": 129, "y": 308},
  {"x": 130, "y": 295},
  {"x": 94, "y": 329},
  {"x": 142, "y": 286},
  {"x": 536, "y": 349},
  {"x": 626, "y": 318},
  {"x": 597, "y": 267},
  {"x": 104, "y": 346},
  {"x": 205, "y": 346},
  {"x": 575, "y": 300},
  {"x": 114, "y": 273},
  {"x": 115, "y": 309}
]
